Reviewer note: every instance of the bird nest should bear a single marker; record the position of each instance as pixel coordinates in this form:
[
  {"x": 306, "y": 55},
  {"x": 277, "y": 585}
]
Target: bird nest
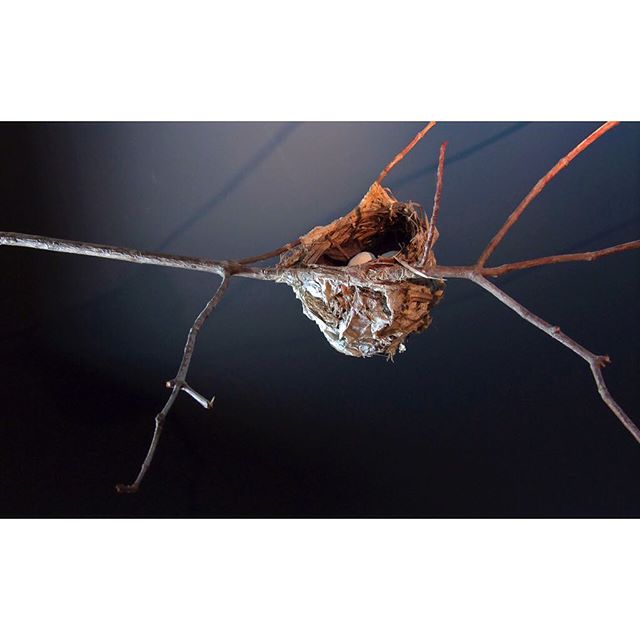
[{"x": 366, "y": 309}]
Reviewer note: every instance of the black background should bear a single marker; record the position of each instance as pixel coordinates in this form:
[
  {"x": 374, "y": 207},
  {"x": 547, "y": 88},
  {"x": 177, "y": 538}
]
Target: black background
[{"x": 482, "y": 416}]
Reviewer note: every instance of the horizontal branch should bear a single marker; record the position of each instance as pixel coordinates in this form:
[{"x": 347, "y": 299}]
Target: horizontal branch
[
  {"x": 135, "y": 256},
  {"x": 113, "y": 253},
  {"x": 238, "y": 268},
  {"x": 586, "y": 256}
]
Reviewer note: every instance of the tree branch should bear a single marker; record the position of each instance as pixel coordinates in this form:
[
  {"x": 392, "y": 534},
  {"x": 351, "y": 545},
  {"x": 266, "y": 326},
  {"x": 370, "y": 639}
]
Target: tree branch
[
  {"x": 113, "y": 253},
  {"x": 595, "y": 362},
  {"x": 404, "y": 152},
  {"x": 540, "y": 185},
  {"x": 436, "y": 203},
  {"x": 136, "y": 256},
  {"x": 270, "y": 254},
  {"x": 179, "y": 383},
  {"x": 588, "y": 256},
  {"x": 240, "y": 268}
]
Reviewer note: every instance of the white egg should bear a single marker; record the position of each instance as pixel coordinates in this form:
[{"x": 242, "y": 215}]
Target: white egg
[{"x": 361, "y": 258}]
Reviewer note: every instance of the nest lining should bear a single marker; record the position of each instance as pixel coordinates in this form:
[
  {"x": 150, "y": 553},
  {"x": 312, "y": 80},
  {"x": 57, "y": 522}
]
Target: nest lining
[{"x": 365, "y": 310}]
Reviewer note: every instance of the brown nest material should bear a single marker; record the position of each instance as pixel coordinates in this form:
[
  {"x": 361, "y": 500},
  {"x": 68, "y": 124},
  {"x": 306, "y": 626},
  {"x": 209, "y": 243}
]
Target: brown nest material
[{"x": 369, "y": 309}]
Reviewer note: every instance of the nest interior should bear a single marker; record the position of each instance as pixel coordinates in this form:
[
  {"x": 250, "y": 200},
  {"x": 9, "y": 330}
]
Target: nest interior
[{"x": 369, "y": 309}]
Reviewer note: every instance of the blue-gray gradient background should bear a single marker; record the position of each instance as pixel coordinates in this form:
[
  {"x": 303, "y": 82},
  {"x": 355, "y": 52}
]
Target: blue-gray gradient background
[{"x": 482, "y": 416}]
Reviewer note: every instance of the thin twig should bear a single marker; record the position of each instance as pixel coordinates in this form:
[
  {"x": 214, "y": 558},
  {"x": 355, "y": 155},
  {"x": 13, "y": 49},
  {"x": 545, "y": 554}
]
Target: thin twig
[
  {"x": 595, "y": 362},
  {"x": 404, "y": 152},
  {"x": 443, "y": 271},
  {"x": 270, "y": 254},
  {"x": 198, "y": 397},
  {"x": 587, "y": 256},
  {"x": 540, "y": 185},
  {"x": 179, "y": 383},
  {"x": 160, "y": 418},
  {"x": 436, "y": 204}
]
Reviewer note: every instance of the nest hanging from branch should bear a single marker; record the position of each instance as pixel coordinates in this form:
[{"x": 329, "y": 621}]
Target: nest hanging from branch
[{"x": 366, "y": 310}]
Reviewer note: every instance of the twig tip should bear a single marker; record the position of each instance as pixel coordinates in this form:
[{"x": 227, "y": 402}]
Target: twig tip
[{"x": 126, "y": 488}]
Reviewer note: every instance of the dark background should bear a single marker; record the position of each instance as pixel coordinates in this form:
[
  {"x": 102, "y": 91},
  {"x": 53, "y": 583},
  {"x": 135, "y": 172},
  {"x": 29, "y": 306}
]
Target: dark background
[{"x": 482, "y": 416}]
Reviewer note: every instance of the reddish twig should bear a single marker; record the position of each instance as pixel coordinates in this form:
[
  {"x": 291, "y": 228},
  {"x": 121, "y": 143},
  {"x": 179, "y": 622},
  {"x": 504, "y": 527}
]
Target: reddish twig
[
  {"x": 270, "y": 254},
  {"x": 179, "y": 383},
  {"x": 404, "y": 152},
  {"x": 442, "y": 271},
  {"x": 587, "y": 256},
  {"x": 540, "y": 185},
  {"x": 436, "y": 203}
]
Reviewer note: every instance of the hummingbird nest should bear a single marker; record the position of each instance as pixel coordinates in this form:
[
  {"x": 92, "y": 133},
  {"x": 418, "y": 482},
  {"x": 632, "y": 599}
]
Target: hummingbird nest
[{"x": 366, "y": 309}]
